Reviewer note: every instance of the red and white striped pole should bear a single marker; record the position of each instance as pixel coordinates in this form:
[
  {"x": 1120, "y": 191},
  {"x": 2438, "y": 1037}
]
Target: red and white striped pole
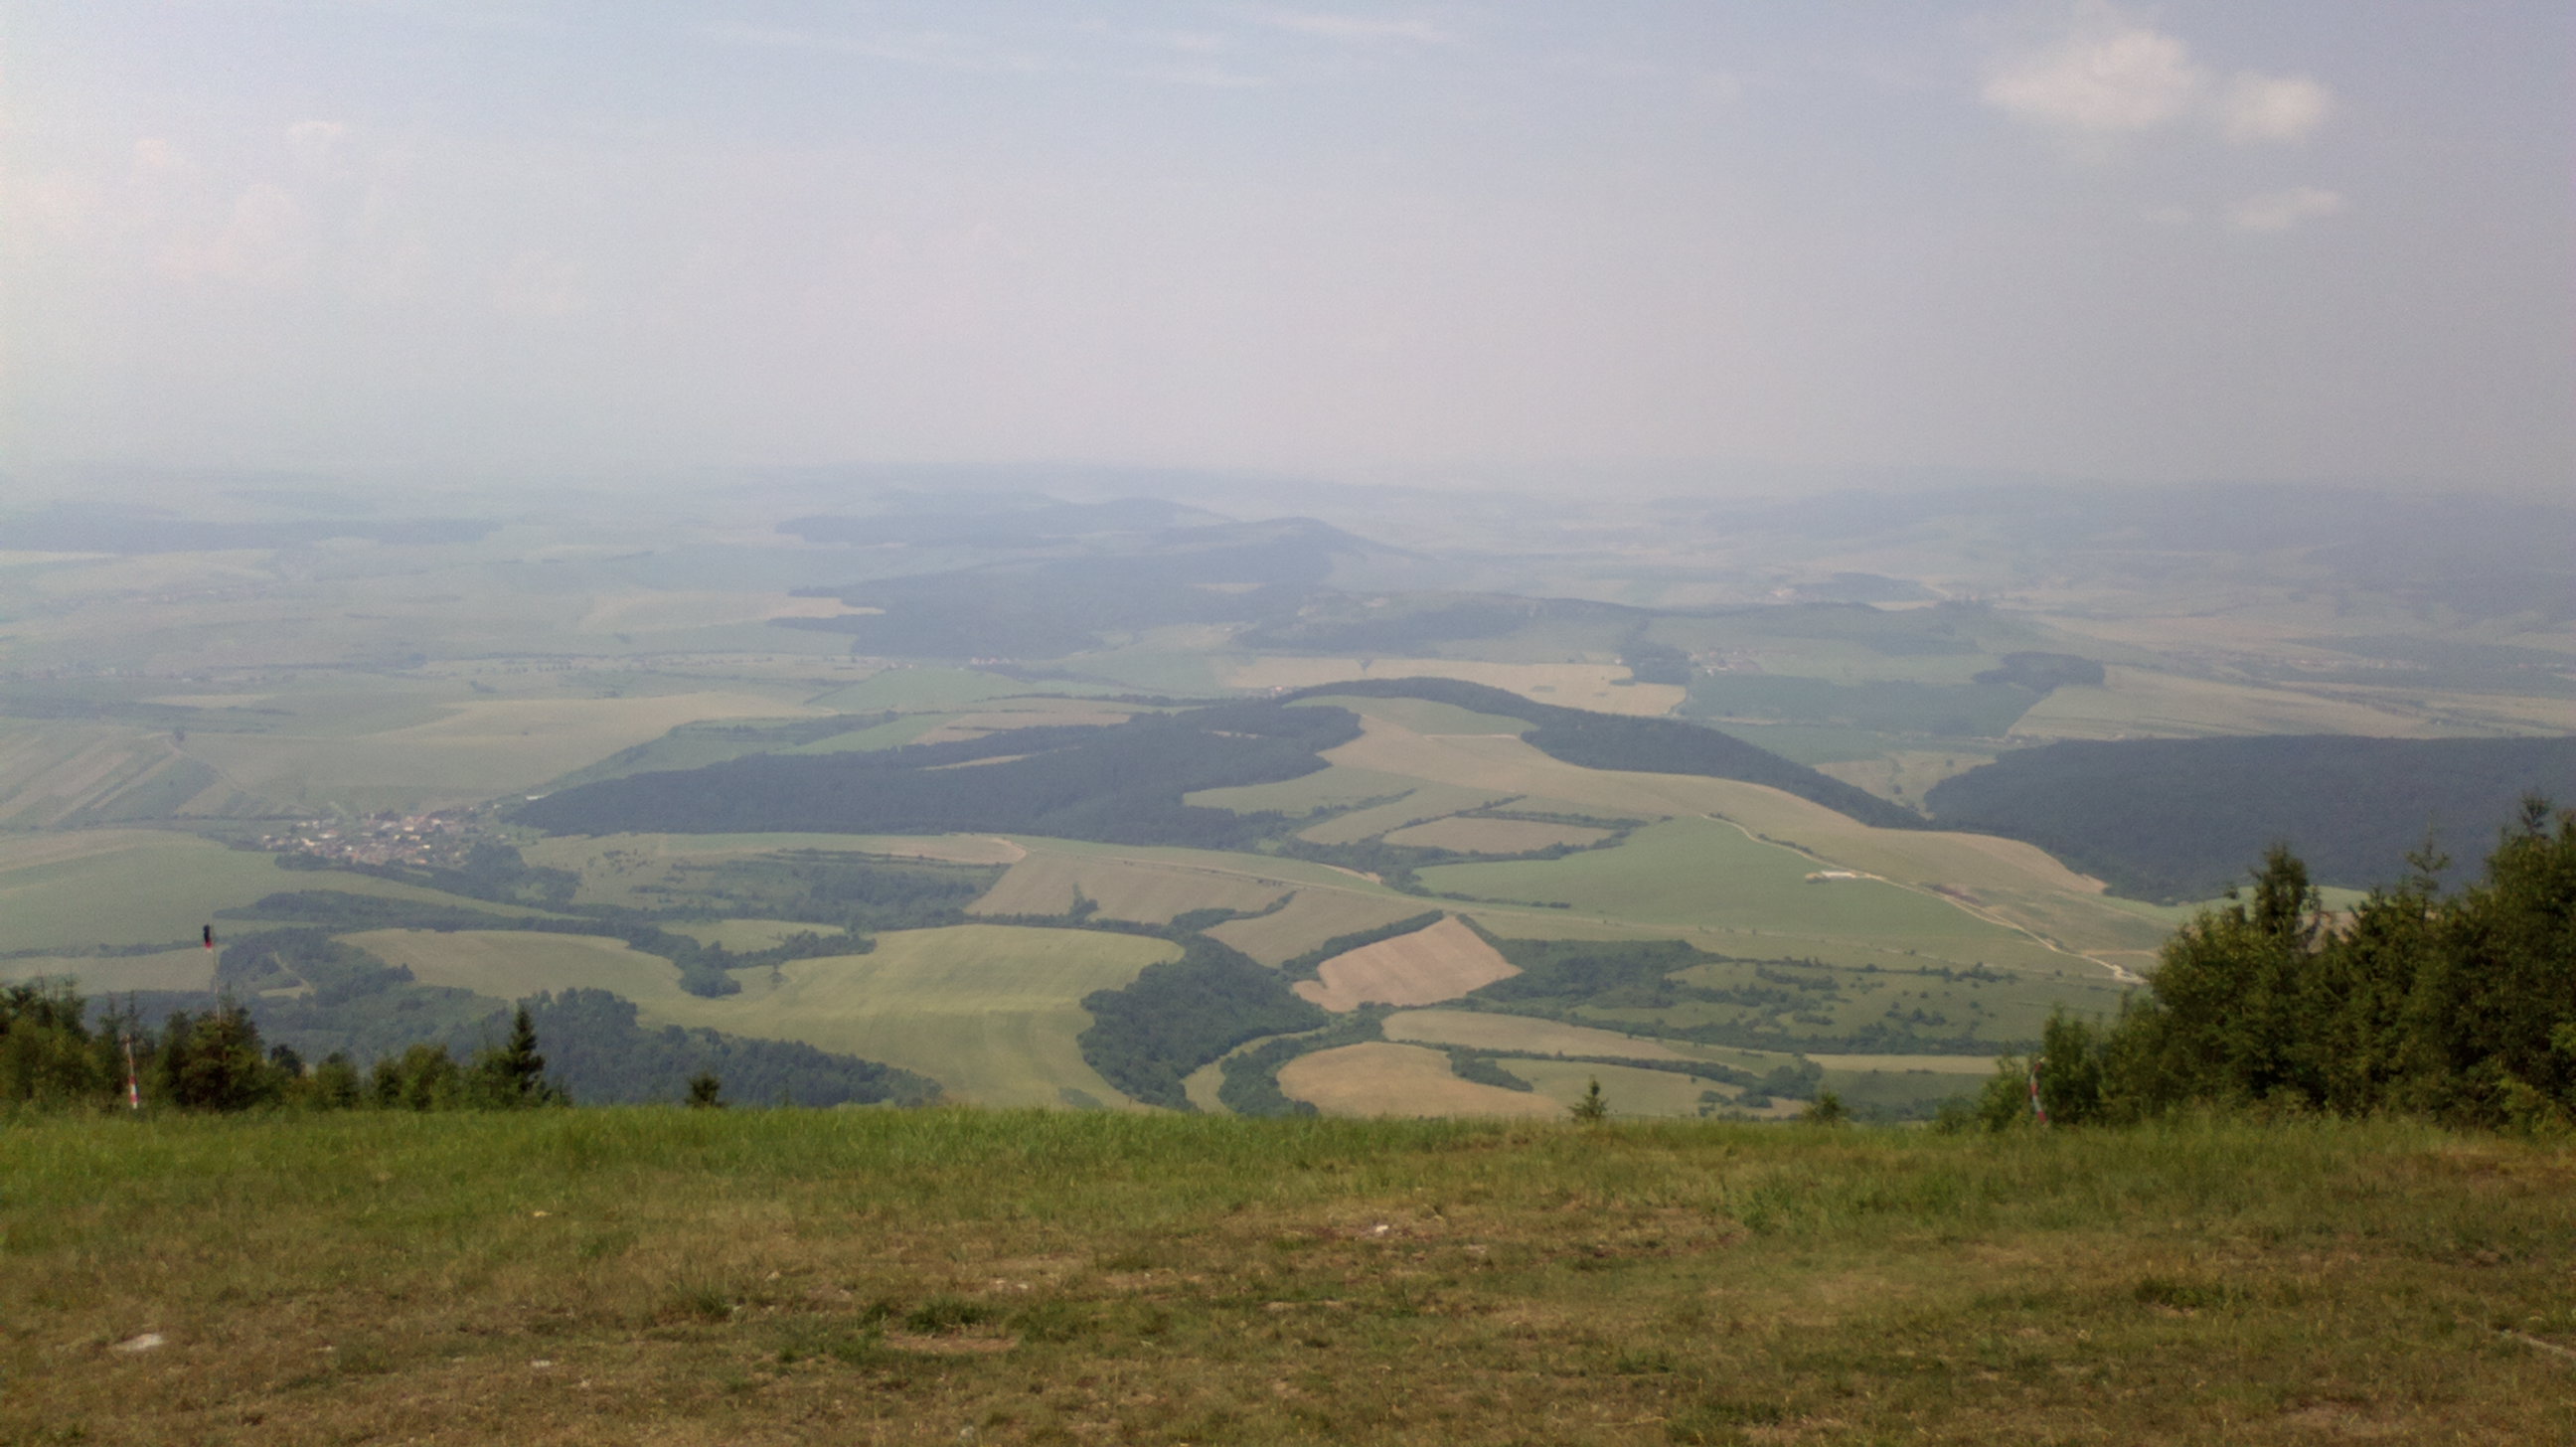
[
  {"x": 2038, "y": 1110},
  {"x": 133, "y": 1087}
]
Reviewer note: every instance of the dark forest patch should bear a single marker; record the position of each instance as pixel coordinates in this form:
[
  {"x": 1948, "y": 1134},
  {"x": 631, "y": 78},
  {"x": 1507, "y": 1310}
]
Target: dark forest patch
[{"x": 2177, "y": 819}]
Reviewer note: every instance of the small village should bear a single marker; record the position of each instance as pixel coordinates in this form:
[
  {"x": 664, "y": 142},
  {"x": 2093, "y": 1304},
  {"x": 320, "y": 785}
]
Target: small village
[{"x": 440, "y": 840}]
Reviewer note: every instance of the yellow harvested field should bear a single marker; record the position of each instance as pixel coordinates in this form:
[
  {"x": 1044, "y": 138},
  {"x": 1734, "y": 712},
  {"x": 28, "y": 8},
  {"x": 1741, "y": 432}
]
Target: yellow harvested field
[
  {"x": 2139, "y": 703},
  {"x": 1429, "y": 965},
  {"x": 1382, "y": 1079},
  {"x": 1494, "y": 836},
  {"x": 1476, "y": 1030},
  {"x": 1601, "y": 687},
  {"x": 1151, "y": 892},
  {"x": 512, "y": 965},
  {"x": 1312, "y": 917},
  {"x": 478, "y": 749}
]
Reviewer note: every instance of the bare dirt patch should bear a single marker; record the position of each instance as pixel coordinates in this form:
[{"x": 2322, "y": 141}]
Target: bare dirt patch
[{"x": 1422, "y": 968}]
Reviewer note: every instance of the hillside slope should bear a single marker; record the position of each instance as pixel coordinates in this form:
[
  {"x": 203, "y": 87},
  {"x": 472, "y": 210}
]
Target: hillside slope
[{"x": 2181, "y": 818}]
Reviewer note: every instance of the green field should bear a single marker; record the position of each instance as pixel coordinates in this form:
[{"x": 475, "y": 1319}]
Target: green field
[
  {"x": 1704, "y": 872},
  {"x": 511, "y": 965},
  {"x": 608, "y": 1276},
  {"x": 581, "y": 638},
  {"x": 988, "y": 1011},
  {"x": 121, "y": 887}
]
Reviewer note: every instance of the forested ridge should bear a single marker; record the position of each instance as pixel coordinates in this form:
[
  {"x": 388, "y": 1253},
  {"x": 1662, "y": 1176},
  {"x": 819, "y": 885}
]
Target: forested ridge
[
  {"x": 1645, "y": 745},
  {"x": 2175, "y": 819},
  {"x": 1121, "y": 785}
]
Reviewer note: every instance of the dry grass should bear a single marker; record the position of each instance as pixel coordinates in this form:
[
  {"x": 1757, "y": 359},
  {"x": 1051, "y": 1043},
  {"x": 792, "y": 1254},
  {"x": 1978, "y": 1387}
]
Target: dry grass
[
  {"x": 858, "y": 1277},
  {"x": 1313, "y": 916},
  {"x": 1046, "y": 883},
  {"x": 1382, "y": 1079},
  {"x": 1425, "y": 967}
]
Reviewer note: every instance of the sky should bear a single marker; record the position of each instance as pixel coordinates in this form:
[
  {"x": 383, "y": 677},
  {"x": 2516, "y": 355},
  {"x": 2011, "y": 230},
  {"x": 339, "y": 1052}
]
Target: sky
[{"x": 2274, "y": 239}]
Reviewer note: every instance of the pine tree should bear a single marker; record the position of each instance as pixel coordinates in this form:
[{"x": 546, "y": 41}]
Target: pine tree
[{"x": 513, "y": 1076}]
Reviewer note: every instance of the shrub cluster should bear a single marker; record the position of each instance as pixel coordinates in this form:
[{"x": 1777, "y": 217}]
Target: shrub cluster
[{"x": 2459, "y": 1006}]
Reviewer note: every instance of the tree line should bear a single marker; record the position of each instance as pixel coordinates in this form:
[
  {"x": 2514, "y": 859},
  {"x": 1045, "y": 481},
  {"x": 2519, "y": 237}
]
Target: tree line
[
  {"x": 214, "y": 1060},
  {"x": 2456, "y": 1006}
]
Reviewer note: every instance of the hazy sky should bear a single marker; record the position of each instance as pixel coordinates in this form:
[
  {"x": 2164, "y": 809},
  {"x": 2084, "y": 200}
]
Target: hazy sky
[{"x": 2226, "y": 239}]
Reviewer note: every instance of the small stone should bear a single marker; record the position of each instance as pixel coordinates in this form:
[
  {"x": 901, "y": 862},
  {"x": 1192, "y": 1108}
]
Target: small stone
[
  {"x": 143, "y": 1343},
  {"x": 541, "y": 1365}
]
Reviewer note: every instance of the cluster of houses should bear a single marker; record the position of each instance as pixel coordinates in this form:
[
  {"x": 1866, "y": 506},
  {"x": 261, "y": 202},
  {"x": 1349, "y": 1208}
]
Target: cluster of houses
[{"x": 437, "y": 840}]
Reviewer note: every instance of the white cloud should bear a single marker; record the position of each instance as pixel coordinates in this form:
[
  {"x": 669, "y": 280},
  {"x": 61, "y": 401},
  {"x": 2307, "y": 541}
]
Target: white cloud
[
  {"x": 2108, "y": 77},
  {"x": 1361, "y": 28},
  {"x": 2271, "y": 107},
  {"x": 2281, "y": 210}
]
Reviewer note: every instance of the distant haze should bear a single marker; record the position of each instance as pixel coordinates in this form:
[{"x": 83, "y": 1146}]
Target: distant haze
[{"x": 1678, "y": 241}]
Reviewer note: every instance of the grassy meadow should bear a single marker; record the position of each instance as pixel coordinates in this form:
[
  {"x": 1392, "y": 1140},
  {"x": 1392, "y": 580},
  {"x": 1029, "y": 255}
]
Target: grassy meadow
[{"x": 941, "y": 1276}]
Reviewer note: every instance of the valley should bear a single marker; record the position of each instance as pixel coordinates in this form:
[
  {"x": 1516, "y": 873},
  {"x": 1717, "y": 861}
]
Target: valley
[{"x": 1484, "y": 823}]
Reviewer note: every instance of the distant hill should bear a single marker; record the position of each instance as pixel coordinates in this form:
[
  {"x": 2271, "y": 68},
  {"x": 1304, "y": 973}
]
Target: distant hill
[
  {"x": 1123, "y": 784},
  {"x": 1120, "y": 784},
  {"x": 1049, "y": 607},
  {"x": 2179, "y": 819}
]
